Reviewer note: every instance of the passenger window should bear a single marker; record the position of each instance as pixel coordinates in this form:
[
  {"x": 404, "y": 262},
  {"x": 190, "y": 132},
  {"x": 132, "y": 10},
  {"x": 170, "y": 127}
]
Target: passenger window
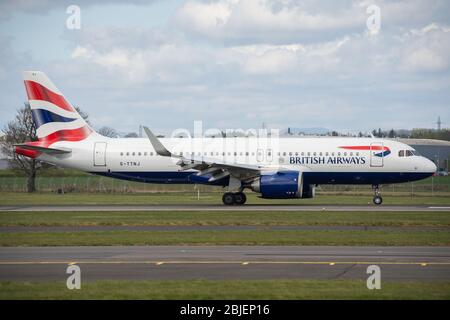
[
  {"x": 121, "y": 153},
  {"x": 401, "y": 153}
]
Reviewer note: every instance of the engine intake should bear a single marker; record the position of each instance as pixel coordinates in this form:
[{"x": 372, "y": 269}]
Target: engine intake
[{"x": 283, "y": 185}]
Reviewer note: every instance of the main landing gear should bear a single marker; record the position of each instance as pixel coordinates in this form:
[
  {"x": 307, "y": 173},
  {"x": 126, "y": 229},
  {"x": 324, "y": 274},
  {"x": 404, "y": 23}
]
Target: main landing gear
[
  {"x": 237, "y": 198},
  {"x": 377, "y": 199}
]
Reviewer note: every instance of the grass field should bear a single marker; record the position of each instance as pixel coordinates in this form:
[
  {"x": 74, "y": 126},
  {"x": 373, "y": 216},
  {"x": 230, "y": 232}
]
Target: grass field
[
  {"x": 225, "y": 218},
  {"x": 208, "y": 289},
  {"x": 241, "y": 237},
  {"x": 15, "y": 198}
]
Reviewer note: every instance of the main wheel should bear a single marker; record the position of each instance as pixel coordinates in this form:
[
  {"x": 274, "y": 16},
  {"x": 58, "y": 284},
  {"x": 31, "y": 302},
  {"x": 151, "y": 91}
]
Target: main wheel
[
  {"x": 377, "y": 200},
  {"x": 228, "y": 199},
  {"x": 240, "y": 198}
]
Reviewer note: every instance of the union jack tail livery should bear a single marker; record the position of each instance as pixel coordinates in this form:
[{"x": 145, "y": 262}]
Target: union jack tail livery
[{"x": 54, "y": 117}]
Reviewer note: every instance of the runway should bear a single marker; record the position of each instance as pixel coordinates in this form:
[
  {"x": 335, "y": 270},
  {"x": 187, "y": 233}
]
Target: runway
[
  {"x": 224, "y": 262},
  {"x": 206, "y": 207}
]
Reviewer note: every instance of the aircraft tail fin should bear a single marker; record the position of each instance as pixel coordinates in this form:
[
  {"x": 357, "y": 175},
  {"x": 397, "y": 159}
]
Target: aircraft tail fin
[{"x": 55, "y": 118}]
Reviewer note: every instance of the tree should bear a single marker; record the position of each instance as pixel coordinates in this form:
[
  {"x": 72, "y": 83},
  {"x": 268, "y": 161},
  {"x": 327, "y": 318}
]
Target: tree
[
  {"x": 83, "y": 114},
  {"x": 22, "y": 129},
  {"x": 391, "y": 133},
  {"x": 131, "y": 135},
  {"x": 108, "y": 132},
  {"x": 19, "y": 130}
]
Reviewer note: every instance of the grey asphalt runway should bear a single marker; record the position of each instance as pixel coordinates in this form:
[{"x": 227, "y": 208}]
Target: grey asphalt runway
[
  {"x": 225, "y": 262},
  {"x": 196, "y": 207}
]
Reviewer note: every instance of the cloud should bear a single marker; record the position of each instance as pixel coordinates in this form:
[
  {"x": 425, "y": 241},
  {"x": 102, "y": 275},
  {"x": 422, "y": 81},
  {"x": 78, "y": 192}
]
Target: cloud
[
  {"x": 239, "y": 63},
  {"x": 9, "y": 7},
  {"x": 290, "y": 21},
  {"x": 426, "y": 49}
]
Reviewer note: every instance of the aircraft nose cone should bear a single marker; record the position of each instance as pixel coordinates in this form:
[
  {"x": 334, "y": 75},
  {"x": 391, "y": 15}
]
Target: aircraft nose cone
[{"x": 430, "y": 166}]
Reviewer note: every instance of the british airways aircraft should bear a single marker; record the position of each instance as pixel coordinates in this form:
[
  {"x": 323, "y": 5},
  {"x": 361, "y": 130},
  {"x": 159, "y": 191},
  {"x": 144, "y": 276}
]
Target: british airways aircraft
[{"x": 283, "y": 168}]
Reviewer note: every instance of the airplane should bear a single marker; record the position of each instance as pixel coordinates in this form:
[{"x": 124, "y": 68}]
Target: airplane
[{"x": 282, "y": 168}]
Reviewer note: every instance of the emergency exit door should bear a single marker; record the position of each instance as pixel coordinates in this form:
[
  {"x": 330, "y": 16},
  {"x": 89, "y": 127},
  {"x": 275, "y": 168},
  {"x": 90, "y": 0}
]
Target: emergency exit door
[{"x": 100, "y": 154}]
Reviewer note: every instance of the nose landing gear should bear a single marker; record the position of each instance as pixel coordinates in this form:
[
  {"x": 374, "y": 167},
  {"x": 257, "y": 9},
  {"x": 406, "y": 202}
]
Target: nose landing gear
[
  {"x": 377, "y": 199},
  {"x": 237, "y": 198}
]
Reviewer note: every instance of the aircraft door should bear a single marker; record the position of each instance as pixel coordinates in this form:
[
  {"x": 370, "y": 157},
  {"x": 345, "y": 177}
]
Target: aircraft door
[
  {"x": 376, "y": 154},
  {"x": 100, "y": 154}
]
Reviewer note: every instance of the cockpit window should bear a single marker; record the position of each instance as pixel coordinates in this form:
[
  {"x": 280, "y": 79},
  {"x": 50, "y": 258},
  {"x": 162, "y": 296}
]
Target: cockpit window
[
  {"x": 409, "y": 153},
  {"x": 401, "y": 153}
]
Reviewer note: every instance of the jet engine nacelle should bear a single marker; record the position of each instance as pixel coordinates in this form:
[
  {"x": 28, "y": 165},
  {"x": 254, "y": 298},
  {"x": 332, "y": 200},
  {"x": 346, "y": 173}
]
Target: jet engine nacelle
[{"x": 283, "y": 185}]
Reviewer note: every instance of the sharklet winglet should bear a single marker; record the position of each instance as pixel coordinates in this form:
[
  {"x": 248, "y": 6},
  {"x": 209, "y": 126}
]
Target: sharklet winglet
[{"x": 157, "y": 145}]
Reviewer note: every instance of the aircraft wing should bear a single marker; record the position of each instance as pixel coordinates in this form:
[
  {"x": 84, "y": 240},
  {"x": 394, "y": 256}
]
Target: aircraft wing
[{"x": 217, "y": 168}]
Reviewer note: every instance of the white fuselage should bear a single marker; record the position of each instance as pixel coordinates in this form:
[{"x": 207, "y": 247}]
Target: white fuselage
[{"x": 322, "y": 160}]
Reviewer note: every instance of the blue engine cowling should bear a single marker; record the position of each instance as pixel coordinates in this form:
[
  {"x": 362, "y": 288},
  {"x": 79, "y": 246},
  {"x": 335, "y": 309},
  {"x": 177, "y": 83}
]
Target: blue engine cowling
[{"x": 282, "y": 185}]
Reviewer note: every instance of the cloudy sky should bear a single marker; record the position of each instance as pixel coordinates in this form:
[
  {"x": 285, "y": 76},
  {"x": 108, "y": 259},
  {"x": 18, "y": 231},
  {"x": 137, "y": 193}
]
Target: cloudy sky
[{"x": 234, "y": 64}]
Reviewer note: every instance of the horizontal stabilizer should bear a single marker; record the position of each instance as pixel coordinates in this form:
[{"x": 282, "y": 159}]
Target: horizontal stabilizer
[{"x": 51, "y": 151}]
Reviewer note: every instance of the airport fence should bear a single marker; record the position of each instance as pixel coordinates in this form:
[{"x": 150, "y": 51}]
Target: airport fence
[{"x": 434, "y": 186}]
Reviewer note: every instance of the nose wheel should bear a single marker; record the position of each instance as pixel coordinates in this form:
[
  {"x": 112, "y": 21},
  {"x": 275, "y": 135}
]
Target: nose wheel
[
  {"x": 377, "y": 199},
  {"x": 237, "y": 198}
]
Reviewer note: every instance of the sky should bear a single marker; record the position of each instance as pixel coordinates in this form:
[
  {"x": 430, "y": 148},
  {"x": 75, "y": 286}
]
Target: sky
[{"x": 235, "y": 63}]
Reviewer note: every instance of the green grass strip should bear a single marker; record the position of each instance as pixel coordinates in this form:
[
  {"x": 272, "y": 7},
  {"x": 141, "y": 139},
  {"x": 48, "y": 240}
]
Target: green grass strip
[
  {"x": 235, "y": 289},
  {"x": 262, "y": 237},
  {"x": 224, "y": 218}
]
